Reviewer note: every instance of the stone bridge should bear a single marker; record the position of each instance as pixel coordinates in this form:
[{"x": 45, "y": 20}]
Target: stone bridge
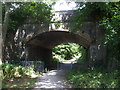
[
  {"x": 37, "y": 40},
  {"x": 89, "y": 36},
  {"x": 54, "y": 35}
]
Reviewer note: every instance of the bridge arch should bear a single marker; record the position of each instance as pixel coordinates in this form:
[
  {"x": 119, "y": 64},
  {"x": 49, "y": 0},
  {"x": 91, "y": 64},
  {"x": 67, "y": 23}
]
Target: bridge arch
[
  {"x": 40, "y": 46},
  {"x": 52, "y": 38},
  {"x": 33, "y": 41}
]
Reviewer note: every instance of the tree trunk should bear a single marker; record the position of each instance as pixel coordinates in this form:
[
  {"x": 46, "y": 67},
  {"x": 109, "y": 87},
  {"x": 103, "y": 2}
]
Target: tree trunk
[
  {"x": 3, "y": 32},
  {"x": 6, "y": 20},
  {"x": 1, "y": 72},
  {"x": 5, "y": 25},
  {"x": 1, "y": 40}
]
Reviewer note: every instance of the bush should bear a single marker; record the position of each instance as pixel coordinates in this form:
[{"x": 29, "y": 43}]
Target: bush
[
  {"x": 8, "y": 70},
  {"x": 92, "y": 79},
  {"x": 12, "y": 71}
]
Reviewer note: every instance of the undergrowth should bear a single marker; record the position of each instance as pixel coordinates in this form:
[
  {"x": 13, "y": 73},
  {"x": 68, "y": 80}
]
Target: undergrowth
[{"x": 92, "y": 79}]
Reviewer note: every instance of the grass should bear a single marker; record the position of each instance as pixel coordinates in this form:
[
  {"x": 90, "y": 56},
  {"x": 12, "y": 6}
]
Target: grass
[
  {"x": 24, "y": 82},
  {"x": 92, "y": 79}
]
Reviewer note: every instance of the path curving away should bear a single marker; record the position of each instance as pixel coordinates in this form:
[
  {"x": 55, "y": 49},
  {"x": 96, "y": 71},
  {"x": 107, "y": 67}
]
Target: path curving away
[{"x": 53, "y": 79}]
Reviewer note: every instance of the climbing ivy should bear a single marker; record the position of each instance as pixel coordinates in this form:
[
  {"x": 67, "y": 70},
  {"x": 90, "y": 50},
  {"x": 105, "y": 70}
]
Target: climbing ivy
[
  {"x": 89, "y": 11},
  {"x": 111, "y": 25},
  {"x": 107, "y": 15}
]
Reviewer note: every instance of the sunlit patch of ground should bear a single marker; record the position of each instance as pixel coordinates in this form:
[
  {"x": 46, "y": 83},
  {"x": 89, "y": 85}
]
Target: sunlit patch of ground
[
  {"x": 25, "y": 82},
  {"x": 53, "y": 79}
]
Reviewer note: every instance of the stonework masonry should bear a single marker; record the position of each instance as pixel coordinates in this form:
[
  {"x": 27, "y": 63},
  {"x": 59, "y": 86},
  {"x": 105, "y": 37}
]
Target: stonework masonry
[{"x": 35, "y": 41}]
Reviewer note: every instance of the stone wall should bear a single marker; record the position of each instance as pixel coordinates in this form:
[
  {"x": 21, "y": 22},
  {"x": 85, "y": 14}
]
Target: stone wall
[
  {"x": 16, "y": 41},
  {"x": 97, "y": 50}
]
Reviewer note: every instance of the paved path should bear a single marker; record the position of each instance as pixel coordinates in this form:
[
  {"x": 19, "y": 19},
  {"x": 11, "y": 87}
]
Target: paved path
[{"x": 53, "y": 79}]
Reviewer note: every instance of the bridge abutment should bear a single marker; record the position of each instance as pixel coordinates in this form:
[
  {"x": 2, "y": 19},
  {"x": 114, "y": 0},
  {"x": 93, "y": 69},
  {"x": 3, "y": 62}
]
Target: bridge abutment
[
  {"x": 40, "y": 54},
  {"x": 97, "y": 49}
]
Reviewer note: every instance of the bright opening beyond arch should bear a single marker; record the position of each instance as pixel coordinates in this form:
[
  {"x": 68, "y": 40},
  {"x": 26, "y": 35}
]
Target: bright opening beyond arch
[{"x": 69, "y": 53}]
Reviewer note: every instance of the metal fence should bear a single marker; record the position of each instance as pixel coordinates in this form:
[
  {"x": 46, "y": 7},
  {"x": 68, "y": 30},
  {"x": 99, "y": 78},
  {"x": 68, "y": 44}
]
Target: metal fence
[
  {"x": 73, "y": 66},
  {"x": 37, "y": 65}
]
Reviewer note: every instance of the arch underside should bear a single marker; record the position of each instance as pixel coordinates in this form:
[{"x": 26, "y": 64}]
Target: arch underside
[{"x": 52, "y": 38}]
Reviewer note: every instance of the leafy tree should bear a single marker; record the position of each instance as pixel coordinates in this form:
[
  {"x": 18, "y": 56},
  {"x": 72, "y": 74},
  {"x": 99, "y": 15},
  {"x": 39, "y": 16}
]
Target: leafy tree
[
  {"x": 89, "y": 11},
  {"x": 16, "y": 13},
  {"x": 39, "y": 12},
  {"x": 107, "y": 15},
  {"x": 111, "y": 25}
]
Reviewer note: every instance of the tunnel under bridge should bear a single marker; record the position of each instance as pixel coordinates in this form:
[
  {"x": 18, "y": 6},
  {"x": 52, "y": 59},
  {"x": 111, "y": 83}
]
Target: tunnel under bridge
[
  {"x": 40, "y": 46},
  {"x": 40, "y": 43}
]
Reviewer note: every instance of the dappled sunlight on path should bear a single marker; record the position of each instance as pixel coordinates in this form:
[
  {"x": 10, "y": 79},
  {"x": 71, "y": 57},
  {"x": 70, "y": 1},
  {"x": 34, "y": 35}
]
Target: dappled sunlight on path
[{"x": 53, "y": 79}]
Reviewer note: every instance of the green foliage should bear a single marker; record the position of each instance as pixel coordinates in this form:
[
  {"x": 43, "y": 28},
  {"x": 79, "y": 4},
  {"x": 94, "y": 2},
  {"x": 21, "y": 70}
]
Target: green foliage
[
  {"x": 112, "y": 38},
  {"x": 8, "y": 70},
  {"x": 111, "y": 25},
  {"x": 92, "y": 79},
  {"x": 57, "y": 25},
  {"x": 89, "y": 11},
  {"x": 83, "y": 56},
  {"x": 107, "y": 15},
  {"x": 24, "y": 82},
  {"x": 55, "y": 60},
  {"x": 20, "y": 11},
  {"x": 41, "y": 12},
  {"x": 68, "y": 51},
  {"x": 12, "y": 71},
  {"x": 29, "y": 71}
]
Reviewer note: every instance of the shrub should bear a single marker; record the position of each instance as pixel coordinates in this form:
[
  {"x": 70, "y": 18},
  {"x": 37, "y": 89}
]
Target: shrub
[
  {"x": 12, "y": 71},
  {"x": 92, "y": 79}
]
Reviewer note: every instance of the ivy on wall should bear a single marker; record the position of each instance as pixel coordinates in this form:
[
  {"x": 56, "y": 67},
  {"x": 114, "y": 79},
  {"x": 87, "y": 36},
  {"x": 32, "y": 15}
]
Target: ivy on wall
[{"x": 107, "y": 16}]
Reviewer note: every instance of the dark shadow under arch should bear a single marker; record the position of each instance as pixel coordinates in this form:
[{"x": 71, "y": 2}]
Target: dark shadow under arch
[
  {"x": 53, "y": 38},
  {"x": 40, "y": 46}
]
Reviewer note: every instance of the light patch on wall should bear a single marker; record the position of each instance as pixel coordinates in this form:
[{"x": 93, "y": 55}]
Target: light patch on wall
[
  {"x": 99, "y": 47},
  {"x": 16, "y": 35}
]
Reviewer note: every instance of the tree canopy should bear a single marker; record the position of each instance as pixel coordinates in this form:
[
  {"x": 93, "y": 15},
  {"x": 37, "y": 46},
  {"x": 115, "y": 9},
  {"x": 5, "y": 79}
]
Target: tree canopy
[
  {"x": 20, "y": 11},
  {"x": 107, "y": 15}
]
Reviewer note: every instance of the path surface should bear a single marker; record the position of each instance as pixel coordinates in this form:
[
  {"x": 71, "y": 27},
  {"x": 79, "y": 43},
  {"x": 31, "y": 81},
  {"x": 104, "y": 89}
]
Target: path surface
[{"x": 53, "y": 79}]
